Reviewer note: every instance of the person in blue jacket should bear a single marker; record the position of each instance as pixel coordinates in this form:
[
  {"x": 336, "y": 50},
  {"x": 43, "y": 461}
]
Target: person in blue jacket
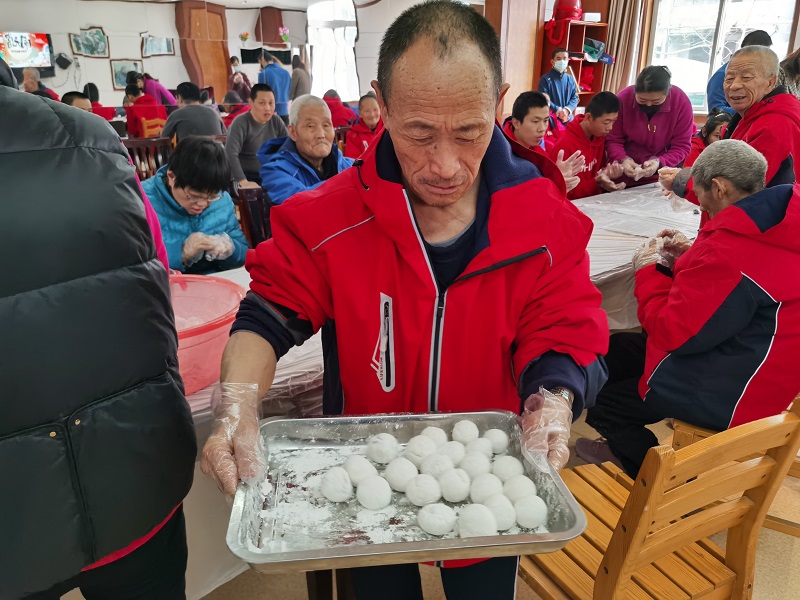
[
  {"x": 277, "y": 78},
  {"x": 715, "y": 92},
  {"x": 197, "y": 217},
  {"x": 560, "y": 86},
  {"x": 305, "y": 159}
]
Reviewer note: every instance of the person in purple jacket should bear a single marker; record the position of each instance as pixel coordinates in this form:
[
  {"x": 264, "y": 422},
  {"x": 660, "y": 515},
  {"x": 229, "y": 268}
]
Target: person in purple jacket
[
  {"x": 654, "y": 128},
  {"x": 152, "y": 87}
]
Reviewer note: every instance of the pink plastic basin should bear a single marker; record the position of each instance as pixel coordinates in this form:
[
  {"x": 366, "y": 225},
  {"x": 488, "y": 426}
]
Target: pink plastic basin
[{"x": 204, "y": 310}]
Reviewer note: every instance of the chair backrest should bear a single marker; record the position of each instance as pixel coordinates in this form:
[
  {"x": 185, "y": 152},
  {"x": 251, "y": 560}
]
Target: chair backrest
[
  {"x": 148, "y": 155},
  {"x": 713, "y": 487},
  {"x": 340, "y": 137},
  {"x": 152, "y": 127},
  {"x": 254, "y": 208},
  {"x": 222, "y": 139}
]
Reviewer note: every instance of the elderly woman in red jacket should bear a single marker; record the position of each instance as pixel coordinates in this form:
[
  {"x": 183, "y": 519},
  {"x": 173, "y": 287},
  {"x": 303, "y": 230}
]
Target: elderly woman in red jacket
[{"x": 366, "y": 129}]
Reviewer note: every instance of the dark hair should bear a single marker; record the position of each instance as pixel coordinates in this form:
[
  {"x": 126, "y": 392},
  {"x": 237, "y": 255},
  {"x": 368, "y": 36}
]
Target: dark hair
[
  {"x": 92, "y": 92},
  {"x": 758, "y": 37},
  {"x": 714, "y": 120},
  {"x": 200, "y": 163},
  {"x": 604, "y": 103},
  {"x": 791, "y": 65},
  {"x": 234, "y": 59},
  {"x": 188, "y": 91},
  {"x": 133, "y": 90},
  {"x": 232, "y": 98},
  {"x": 297, "y": 63},
  {"x": 204, "y": 96},
  {"x": 655, "y": 78},
  {"x": 42, "y": 94},
  {"x": 331, "y": 94},
  {"x": 70, "y": 97},
  {"x": 132, "y": 77},
  {"x": 557, "y": 51},
  {"x": 266, "y": 56},
  {"x": 447, "y": 24},
  {"x": 368, "y": 95},
  {"x": 260, "y": 87},
  {"x": 526, "y": 101}
]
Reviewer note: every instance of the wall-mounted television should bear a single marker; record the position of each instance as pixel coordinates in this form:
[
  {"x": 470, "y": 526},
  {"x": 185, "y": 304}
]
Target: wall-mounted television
[{"x": 23, "y": 49}]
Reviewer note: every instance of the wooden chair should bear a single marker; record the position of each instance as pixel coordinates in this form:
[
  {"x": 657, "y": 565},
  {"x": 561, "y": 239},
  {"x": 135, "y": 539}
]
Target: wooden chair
[
  {"x": 254, "y": 208},
  {"x": 152, "y": 128},
  {"x": 687, "y": 434},
  {"x": 148, "y": 155},
  {"x": 645, "y": 539},
  {"x": 340, "y": 137}
]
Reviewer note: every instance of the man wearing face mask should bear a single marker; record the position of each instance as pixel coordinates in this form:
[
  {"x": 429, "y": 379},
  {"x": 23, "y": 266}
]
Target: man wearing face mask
[
  {"x": 653, "y": 129},
  {"x": 238, "y": 81},
  {"x": 561, "y": 87}
]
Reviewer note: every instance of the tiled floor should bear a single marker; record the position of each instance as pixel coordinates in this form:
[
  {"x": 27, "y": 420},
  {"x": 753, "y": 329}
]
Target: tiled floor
[{"x": 777, "y": 572}]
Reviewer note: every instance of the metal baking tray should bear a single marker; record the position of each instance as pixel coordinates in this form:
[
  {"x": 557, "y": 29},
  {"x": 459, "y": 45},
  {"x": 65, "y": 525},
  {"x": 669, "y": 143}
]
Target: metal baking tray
[{"x": 285, "y": 524}]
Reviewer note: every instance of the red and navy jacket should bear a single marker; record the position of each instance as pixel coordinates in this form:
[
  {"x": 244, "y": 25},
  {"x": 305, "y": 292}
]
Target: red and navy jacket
[
  {"x": 360, "y": 137},
  {"x": 593, "y": 151},
  {"x": 724, "y": 329},
  {"x": 351, "y": 252}
]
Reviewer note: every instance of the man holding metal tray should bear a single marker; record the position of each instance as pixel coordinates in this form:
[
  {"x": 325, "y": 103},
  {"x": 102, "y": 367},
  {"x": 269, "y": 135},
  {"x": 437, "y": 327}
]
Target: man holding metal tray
[{"x": 449, "y": 262}]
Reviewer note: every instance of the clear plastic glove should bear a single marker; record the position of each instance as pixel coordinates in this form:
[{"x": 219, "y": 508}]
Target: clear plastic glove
[
  {"x": 194, "y": 247},
  {"x": 234, "y": 450},
  {"x": 673, "y": 245},
  {"x": 222, "y": 249},
  {"x": 545, "y": 422},
  {"x": 572, "y": 182},
  {"x": 666, "y": 177},
  {"x": 646, "y": 254},
  {"x": 650, "y": 167},
  {"x": 572, "y": 166},
  {"x": 629, "y": 167},
  {"x": 614, "y": 170},
  {"x": 604, "y": 181}
]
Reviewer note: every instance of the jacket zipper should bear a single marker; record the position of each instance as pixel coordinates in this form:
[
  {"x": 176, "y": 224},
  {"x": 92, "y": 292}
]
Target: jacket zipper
[
  {"x": 87, "y": 528},
  {"x": 386, "y": 349},
  {"x": 436, "y": 349}
]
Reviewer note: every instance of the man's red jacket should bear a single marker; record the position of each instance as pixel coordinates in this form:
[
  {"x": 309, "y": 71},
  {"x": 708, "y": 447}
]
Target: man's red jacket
[
  {"x": 724, "y": 330},
  {"x": 593, "y": 150},
  {"x": 360, "y": 137},
  {"x": 350, "y": 251}
]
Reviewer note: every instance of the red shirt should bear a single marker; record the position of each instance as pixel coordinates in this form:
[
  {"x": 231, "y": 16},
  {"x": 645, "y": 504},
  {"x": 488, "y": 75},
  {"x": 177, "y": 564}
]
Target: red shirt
[
  {"x": 593, "y": 151},
  {"x": 698, "y": 145},
  {"x": 244, "y": 108},
  {"x": 107, "y": 112},
  {"x": 145, "y": 107},
  {"x": 360, "y": 137},
  {"x": 341, "y": 115}
]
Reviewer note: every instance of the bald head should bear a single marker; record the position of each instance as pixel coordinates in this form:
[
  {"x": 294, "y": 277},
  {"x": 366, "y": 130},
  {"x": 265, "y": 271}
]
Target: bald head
[
  {"x": 765, "y": 56},
  {"x": 448, "y": 27}
]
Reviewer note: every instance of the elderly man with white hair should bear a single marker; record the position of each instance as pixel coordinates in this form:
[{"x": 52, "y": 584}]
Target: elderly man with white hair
[
  {"x": 721, "y": 316},
  {"x": 307, "y": 157},
  {"x": 767, "y": 117},
  {"x": 31, "y": 82}
]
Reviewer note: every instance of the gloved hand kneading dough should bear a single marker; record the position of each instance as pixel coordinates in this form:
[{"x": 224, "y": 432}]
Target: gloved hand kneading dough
[
  {"x": 646, "y": 254},
  {"x": 222, "y": 247},
  {"x": 629, "y": 167},
  {"x": 234, "y": 451},
  {"x": 546, "y": 421},
  {"x": 674, "y": 244},
  {"x": 570, "y": 168},
  {"x": 650, "y": 167},
  {"x": 194, "y": 247}
]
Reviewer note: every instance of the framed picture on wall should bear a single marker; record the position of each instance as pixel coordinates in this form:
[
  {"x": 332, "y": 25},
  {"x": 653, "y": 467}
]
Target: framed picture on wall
[
  {"x": 157, "y": 46},
  {"x": 120, "y": 69},
  {"x": 76, "y": 43},
  {"x": 94, "y": 42}
]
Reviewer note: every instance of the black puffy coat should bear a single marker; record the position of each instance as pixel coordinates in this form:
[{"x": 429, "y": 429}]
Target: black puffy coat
[{"x": 96, "y": 438}]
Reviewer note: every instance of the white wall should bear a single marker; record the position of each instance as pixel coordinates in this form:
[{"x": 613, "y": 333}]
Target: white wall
[
  {"x": 123, "y": 22},
  {"x": 372, "y": 24}
]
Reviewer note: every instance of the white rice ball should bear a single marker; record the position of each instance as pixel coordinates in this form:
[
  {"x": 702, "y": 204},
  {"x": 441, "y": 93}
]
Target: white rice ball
[
  {"x": 531, "y": 512},
  {"x": 374, "y": 493},
  {"x": 481, "y": 445},
  {"x": 476, "y": 520},
  {"x": 336, "y": 485},
  {"x": 518, "y": 487},
  {"x": 465, "y": 431},
  {"x": 437, "y": 434},
  {"x": 454, "y": 485},
  {"x": 399, "y": 472},
  {"x": 418, "y": 448},
  {"x": 475, "y": 464},
  {"x": 359, "y": 468},
  {"x": 503, "y": 510},
  {"x": 506, "y": 467},
  {"x": 484, "y": 486},
  {"x": 436, "y": 464},
  {"x": 436, "y": 519},
  {"x": 382, "y": 448},
  {"x": 455, "y": 450},
  {"x": 498, "y": 438},
  {"x": 422, "y": 490}
]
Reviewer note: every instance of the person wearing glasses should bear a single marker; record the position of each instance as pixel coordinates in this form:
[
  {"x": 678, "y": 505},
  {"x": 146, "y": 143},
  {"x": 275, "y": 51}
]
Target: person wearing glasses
[
  {"x": 654, "y": 127},
  {"x": 197, "y": 216}
]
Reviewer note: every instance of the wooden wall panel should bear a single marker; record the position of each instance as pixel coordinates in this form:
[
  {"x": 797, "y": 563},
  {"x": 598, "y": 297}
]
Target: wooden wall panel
[
  {"x": 202, "y": 29},
  {"x": 519, "y": 38},
  {"x": 493, "y": 11}
]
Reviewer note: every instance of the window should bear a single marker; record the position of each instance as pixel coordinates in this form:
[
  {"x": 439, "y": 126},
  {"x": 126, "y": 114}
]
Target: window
[
  {"x": 332, "y": 33},
  {"x": 694, "y": 38}
]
